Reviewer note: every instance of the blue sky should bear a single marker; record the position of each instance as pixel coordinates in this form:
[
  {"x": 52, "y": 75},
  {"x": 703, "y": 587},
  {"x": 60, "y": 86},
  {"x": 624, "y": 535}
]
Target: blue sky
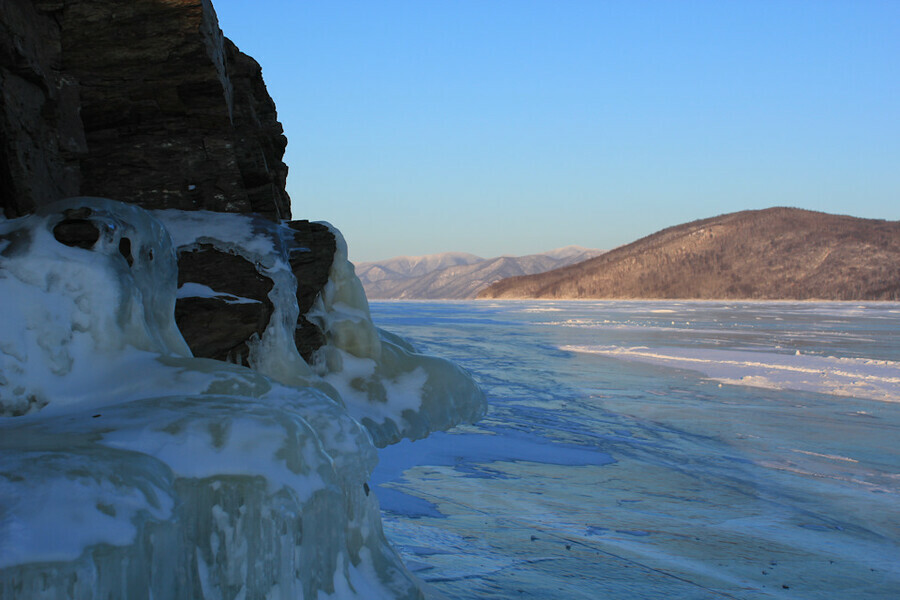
[{"x": 512, "y": 127}]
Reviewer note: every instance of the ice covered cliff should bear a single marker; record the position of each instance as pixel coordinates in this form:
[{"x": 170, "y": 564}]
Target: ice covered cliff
[
  {"x": 222, "y": 453},
  {"x": 130, "y": 468}
]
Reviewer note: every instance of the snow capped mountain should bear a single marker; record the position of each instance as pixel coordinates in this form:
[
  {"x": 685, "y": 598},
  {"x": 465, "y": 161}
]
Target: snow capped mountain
[
  {"x": 456, "y": 275},
  {"x": 402, "y": 267}
]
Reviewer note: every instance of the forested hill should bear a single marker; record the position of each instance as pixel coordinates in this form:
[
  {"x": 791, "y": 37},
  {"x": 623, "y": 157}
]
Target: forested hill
[{"x": 776, "y": 253}]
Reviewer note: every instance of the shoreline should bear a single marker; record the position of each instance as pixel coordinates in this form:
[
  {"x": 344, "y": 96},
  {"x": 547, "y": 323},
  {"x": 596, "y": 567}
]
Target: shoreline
[{"x": 691, "y": 300}]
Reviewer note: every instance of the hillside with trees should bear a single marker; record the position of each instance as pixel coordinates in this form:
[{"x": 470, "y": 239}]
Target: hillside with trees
[{"x": 776, "y": 253}]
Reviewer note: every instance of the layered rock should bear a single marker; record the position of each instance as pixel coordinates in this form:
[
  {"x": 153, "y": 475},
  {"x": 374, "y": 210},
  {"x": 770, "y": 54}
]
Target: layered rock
[
  {"x": 219, "y": 326},
  {"x": 144, "y": 102},
  {"x": 41, "y": 135},
  {"x": 312, "y": 269},
  {"x": 225, "y": 298}
]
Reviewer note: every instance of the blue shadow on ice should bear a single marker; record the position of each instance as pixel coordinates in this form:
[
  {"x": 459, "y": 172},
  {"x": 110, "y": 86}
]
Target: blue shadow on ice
[{"x": 471, "y": 454}]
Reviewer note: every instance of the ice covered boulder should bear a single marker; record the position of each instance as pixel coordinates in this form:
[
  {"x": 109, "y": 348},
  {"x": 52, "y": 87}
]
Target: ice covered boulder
[
  {"x": 227, "y": 266},
  {"x": 306, "y": 315},
  {"x": 129, "y": 468}
]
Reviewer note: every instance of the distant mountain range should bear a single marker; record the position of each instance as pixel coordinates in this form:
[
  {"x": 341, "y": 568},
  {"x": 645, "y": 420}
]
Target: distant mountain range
[
  {"x": 456, "y": 275},
  {"x": 776, "y": 253}
]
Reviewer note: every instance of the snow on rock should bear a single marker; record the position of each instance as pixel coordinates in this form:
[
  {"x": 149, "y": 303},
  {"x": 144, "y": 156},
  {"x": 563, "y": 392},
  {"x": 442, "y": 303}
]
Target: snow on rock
[
  {"x": 69, "y": 310},
  {"x": 129, "y": 468},
  {"x": 267, "y": 246},
  {"x": 392, "y": 390}
]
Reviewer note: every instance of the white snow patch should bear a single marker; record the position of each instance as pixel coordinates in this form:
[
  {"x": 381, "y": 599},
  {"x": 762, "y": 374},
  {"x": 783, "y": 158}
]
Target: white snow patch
[
  {"x": 198, "y": 290},
  {"x": 828, "y": 456},
  {"x": 858, "y": 377},
  {"x": 221, "y": 229}
]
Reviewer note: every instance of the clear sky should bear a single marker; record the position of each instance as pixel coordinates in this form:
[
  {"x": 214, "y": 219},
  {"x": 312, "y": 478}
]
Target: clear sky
[{"x": 513, "y": 127}]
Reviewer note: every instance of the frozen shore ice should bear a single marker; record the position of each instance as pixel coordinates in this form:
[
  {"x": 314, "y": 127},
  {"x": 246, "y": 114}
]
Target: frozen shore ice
[{"x": 129, "y": 468}]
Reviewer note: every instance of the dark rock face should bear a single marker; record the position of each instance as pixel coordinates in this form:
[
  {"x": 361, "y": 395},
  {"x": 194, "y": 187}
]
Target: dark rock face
[
  {"x": 144, "y": 102},
  {"x": 259, "y": 141},
  {"x": 311, "y": 260},
  {"x": 222, "y": 326},
  {"x": 41, "y": 137},
  {"x": 311, "y": 267}
]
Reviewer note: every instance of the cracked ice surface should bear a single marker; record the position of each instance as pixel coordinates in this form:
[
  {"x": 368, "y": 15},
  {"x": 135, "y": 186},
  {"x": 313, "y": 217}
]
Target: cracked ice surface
[{"x": 130, "y": 469}]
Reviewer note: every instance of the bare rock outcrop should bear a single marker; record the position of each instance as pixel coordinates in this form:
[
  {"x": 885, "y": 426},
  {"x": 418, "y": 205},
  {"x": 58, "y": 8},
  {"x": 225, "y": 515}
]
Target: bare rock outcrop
[
  {"x": 145, "y": 102},
  {"x": 41, "y": 135},
  {"x": 174, "y": 115},
  {"x": 219, "y": 327}
]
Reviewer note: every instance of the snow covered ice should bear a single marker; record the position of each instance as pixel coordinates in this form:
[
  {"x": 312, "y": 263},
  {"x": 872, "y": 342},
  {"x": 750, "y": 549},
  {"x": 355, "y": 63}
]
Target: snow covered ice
[{"x": 129, "y": 468}]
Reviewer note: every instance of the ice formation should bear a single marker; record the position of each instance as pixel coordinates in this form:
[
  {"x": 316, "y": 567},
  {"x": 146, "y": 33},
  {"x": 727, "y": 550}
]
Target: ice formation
[
  {"x": 130, "y": 469},
  {"x": 385, "y": 384},
  {"x": 390, "y": 388}
]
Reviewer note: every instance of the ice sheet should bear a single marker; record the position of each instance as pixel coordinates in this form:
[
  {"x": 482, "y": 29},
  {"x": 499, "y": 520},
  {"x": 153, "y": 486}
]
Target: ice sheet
[{"x": 713, "y": 491}]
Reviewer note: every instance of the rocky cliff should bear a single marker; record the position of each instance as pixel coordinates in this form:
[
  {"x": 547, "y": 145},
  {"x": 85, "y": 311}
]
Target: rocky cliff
[
  {"x": 772, "y": 254},
  {"x": 148, "y": 103},
  {"x": 144, "y": 102}
]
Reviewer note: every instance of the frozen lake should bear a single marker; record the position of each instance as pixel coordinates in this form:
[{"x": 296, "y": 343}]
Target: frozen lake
[{"x": 656, "y": 450}]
